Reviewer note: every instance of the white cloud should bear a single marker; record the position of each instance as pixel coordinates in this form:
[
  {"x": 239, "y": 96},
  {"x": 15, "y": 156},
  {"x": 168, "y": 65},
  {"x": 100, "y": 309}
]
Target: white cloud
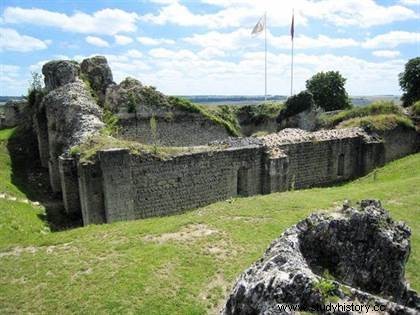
[
  {"x": 306, "y": 42},
  {"x": 236, "y": 13},
  {"x": 149, "y": 41},
  {"x": 409, "y": 2},
  {"x": 134, "y": 53},
  {"x": 122, "y": 40},
  {"x": 386, "y": 53},
  {"x": 96, "y": 41},
  {"x": 241, "y": 38},
  {"x": 13, "y": 41},
  {"x": 392, "y": 39},
  {"x": 223, "y": 41},
  {"x": 11, "y": 80},
  {"x": 211, "y": 52},
  {"x": 106, "y": 21}
]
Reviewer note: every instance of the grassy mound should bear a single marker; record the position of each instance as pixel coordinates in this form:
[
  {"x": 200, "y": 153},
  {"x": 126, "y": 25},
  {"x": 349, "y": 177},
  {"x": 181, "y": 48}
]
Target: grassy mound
[
  {"x": 182, "y": 264},
  {"x": 378, "y": 122},
  {"x": 376, "y": 108}
]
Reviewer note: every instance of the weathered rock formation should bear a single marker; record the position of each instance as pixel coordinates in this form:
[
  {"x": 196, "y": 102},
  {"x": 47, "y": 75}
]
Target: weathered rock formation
[
  {"x": 361, "y": 248},
  {"x": 99, "y": 75},
  {"x": 60, "y": 72},
  {"x": 66, "y": 116}
]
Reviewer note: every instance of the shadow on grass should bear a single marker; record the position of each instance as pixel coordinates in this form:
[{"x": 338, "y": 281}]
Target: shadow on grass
[{"x": 33, "y": 180}]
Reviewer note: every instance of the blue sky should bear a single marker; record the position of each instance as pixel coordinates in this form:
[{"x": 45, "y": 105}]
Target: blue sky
[{"x": 205, "y": 46}]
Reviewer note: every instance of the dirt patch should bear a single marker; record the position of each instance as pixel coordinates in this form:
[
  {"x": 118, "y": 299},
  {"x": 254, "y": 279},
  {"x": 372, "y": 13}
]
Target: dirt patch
[
  {"x": 248, "y": 219},
  {"x": 18, "y": 250},
  {"x": 187, "y": 233}
]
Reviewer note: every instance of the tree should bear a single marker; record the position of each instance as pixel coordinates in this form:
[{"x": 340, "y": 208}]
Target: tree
[
  {"x": 328, "y": 90},
  {"x": 296, "y": 104},
  {"x": 410, "y": 82}
]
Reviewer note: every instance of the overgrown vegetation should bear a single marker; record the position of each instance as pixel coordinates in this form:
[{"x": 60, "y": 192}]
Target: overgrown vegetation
[
  {"x": 378, "y": 122},
  {"x": 416, "y": 108},
  {"x": 110, "y": 120},
  {"x": 89, "y": 87},
  {"x": 217, "y": 117},
  {"x": 257, "y": 114},
  {"x": 326, "y": 288},
  {"x": 116, "y": 268},
  {"x": 376, "y": 108},
  {"x": 95, "y": 143},
  {"x": 296, "y": 104}
]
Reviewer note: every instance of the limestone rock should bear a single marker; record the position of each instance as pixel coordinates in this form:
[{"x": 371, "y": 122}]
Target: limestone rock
[
  {"x": 72, "y": 115},
  {"x": 360, "y": 247},
  {"x": 99, "y": 74},
  {"x": 131, "y": 96},
  {"x": 58, "y": 73}
]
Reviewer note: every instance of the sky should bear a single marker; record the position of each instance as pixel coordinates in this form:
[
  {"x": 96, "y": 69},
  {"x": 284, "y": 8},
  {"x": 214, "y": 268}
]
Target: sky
[{"x": 205, "y": 47}]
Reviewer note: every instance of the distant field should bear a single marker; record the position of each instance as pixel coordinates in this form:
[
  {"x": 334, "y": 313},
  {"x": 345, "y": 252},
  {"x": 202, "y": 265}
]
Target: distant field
[{"x": 180, "y": 264}]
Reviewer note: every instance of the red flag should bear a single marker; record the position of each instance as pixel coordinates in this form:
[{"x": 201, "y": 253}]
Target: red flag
[{"x": 292, "y": 27}]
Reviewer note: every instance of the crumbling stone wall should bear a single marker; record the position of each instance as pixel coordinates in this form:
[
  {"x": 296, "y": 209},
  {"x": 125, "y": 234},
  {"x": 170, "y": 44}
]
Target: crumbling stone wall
[
  {"x": 13, "y": 113},
  {"x": 137, "y": 187},
  {"x": 118, "y": 185},
  {"x": 174, "y": 128}
]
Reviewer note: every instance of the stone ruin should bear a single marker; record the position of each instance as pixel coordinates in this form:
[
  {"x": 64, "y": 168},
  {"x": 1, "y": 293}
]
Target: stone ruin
[
  {"x": 361, "y": 249},
  {"x": 119, "y": 184}
]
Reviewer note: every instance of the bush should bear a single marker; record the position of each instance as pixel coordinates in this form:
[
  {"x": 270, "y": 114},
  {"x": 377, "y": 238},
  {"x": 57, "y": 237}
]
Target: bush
[
  {"x": 111, "y": 123},
  {"x": 328, "y": 90},
  {"x": 296, "y": 104},
  {"x": 410, "y": 82},
  {"x": 257, "y": 114},
  {"x": 376, "y": 108}
]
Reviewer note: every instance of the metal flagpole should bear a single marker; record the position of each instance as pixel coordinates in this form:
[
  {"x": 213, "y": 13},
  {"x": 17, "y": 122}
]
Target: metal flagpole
[
  {"x": 265, "y": 31},
  {"x": 292, "y": 35}
]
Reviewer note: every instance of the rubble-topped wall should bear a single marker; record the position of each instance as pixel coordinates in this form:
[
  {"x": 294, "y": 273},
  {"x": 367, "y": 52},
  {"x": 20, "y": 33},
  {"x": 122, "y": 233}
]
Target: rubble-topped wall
[{"x": 137, "y": 186}]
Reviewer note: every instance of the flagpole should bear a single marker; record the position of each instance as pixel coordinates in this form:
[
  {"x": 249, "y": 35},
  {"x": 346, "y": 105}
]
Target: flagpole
[
  {"x": 265, "y": 31},
  {"x": 291, "y": 70}
]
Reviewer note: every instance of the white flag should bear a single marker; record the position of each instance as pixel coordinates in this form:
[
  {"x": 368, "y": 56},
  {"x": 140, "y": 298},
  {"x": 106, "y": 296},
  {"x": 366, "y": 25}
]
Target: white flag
[{"x": 260, "y": 26}]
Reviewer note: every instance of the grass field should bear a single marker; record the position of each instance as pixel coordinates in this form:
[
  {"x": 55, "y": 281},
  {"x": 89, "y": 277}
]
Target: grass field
[{"x": 182, "y": 264}]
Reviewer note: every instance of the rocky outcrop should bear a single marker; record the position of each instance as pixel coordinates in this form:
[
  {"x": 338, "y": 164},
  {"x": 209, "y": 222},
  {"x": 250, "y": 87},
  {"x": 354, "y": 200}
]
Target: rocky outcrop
[
  {"x": 357, "y": 247},
  {"x": 60, "y": 72},
  {"x": 99, "y": 75},
  {"x": 133, "y": 97}
]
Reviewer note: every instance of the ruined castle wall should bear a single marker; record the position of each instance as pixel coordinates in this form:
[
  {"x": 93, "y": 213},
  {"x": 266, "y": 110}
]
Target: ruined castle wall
[
  {"x": 135, "y": 187},
  {"x": 320, "y": 163},
  {"x": 69, "y": 185},
  {"x": 179, "y": 129},
  {"x": 399, "y": 142},
  {"x": 91, "y": 193}
]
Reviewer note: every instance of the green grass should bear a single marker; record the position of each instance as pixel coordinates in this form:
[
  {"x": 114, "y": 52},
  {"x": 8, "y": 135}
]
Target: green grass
[
  {"x": 378, "y": 122},
  {"x": 376, "y": 108},
  {"x": 113, "y": 268}
]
